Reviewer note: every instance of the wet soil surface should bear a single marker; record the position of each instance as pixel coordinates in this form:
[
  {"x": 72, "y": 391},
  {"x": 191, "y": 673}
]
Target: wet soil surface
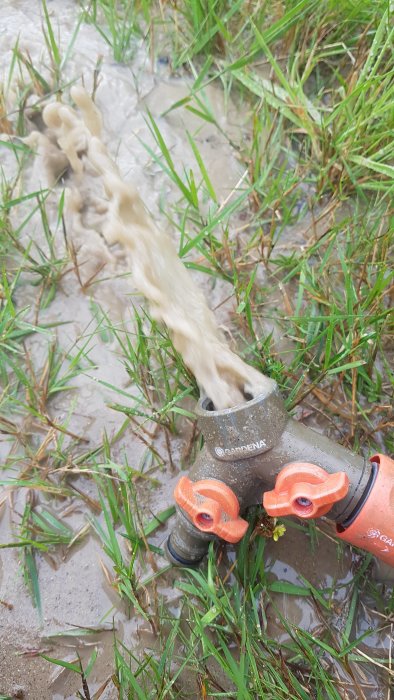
[{"x": 74, "y": 589}]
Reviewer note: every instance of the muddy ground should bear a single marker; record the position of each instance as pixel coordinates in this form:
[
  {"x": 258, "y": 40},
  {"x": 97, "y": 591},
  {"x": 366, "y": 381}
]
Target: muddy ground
[{"x": 73, "y": 587}]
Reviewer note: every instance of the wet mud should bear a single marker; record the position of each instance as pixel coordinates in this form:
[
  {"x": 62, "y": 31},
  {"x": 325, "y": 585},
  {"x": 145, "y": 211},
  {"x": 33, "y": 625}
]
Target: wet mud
[{"x": 74, "y": 589}]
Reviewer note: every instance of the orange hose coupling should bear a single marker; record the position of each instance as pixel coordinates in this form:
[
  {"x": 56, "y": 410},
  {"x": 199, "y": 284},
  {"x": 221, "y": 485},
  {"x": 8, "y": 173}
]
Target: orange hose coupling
[
  {"x": 373, "y": 527},
  {"x": 305, "y": 490},
  {"x": 212, "y": 507}
]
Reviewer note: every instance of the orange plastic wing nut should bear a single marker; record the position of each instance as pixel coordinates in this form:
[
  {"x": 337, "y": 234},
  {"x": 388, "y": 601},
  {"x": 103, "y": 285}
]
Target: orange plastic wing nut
[
  {"x": 305, "y": 490},
  {"x": 212, "y": 507}
]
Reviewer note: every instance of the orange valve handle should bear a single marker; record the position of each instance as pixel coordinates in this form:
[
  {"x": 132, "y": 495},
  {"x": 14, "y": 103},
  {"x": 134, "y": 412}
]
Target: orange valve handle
[
  {"x": 373, "y": 527},
  {"x": 212, "y": 507},
  {"x": 305, "y": 490}
]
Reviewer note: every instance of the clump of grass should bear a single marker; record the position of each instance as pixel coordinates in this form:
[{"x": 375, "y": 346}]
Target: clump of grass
[
  {"x": 335, "y": 134},
  {"x": 219, "y": 645},
  {"x": 123, "y": 519},
  {"x": 225, "y": 29},
  {"x": 339, "y": 320},
  {"x": 58, "y": 58},
  {"x": 118, "y": 23},
  {"x": 13, "y": 328},
  {"x": 33, "y": 81},
  {"x": 204, "y": 26}
]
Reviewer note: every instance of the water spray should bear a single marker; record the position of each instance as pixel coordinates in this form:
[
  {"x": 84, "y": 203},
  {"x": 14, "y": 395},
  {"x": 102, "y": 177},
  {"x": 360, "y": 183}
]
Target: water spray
[{"x": 254, "y": 454}]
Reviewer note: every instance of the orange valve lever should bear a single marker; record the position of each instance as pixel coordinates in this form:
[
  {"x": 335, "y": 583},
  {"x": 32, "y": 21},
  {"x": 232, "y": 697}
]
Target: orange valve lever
[
  {"x": 305, "y": 490},
  {"x": 212, "y": 507}
]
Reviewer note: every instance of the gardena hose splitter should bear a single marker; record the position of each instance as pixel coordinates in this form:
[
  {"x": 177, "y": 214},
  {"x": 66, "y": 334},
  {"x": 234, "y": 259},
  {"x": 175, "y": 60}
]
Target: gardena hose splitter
[{"x": 255, "y": 453}]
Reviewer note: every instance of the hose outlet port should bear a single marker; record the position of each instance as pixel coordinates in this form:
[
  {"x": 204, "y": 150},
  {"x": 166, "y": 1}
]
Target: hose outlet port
[{"x": 204, "y": 521}]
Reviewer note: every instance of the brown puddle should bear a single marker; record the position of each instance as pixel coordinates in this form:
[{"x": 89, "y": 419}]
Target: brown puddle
[{"x": 73, "y": 586}]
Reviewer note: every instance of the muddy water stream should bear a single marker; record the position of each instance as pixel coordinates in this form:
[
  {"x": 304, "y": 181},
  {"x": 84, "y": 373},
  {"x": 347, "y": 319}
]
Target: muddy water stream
[
  {"x": 157, "y": 271},
  {"x": 74, "y": 588}
]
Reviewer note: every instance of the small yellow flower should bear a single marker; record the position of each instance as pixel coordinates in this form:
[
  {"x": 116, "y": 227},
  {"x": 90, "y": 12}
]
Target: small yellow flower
[{"x": 279, "y": 530}]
